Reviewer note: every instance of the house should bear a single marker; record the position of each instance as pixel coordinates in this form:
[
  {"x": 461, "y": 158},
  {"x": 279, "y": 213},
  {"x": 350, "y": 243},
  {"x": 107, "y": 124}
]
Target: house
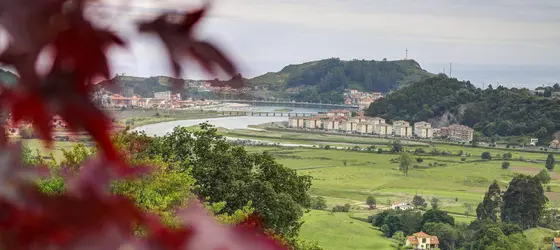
[
  {"x": 341, "y": 112},
  {"x": 296, "y": 122},
  {"x": 361, "y": 118},
  {"x": 422, "y": 240},
  {"x": 402, "y": 128},
  {"x": 401, "y": 206},
  {"x": 556, "y": 243},
  {"x": 383, "y": 129},
  {"x": 423, "y": 130},
  {"x": 533, "y": 141}
]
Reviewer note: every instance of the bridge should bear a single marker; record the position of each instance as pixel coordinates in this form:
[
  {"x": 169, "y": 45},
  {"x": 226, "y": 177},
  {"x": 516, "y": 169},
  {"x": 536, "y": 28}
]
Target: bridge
[
  {"x": 265, "y": 113},
  {"x": 295, "y": 104}
]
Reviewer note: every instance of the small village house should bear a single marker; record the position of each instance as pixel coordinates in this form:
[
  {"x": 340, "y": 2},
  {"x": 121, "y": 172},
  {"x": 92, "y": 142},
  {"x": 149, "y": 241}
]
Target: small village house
[
  {"x": 401, "y": 206},
  {"x": 556, "y": 243},
  {"x": 422, "y": 240},
  {"x": 423, "y": 130},
  {"x": 383, "y": 129},
  {"x": 402, "y": 128}
]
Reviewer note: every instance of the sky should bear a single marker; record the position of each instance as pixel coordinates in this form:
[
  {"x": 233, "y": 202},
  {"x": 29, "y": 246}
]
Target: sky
[{"x": 512, "y": 43}]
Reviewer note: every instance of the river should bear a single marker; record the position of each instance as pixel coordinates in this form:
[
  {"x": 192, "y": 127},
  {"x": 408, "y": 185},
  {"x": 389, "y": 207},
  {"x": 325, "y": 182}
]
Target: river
[{"x": 237, "y": 122}]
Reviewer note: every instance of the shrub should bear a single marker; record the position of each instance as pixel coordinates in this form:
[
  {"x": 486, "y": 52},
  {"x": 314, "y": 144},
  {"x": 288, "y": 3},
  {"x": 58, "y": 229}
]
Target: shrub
[
  {"x": 340, "y": 208},
  {"x": 379, "y": 150},
  {"x": 505, "y": 165},
  {"x": 157, "y": 115},
  {"x": 318, "y": 203},
  {"x": 507, "y": 155},
  {"x": 419, "y": 160},
  {"x": 463, "y": 159},
  {"x": 419, "y": 151},
  {"x": 548, "y": 189},
  {"x": 486, "y": 156}
]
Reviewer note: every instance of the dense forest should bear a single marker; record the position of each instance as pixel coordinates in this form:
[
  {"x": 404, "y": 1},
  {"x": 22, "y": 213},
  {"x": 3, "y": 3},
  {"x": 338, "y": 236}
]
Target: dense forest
[
  {"x": 325, "y": 80},
  {"x": 500, "y": 111}
]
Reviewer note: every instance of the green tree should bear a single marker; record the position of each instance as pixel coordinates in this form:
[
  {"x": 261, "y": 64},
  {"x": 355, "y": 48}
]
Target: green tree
[
  {"x": 434, "y": 202},
  {"x": 399, "y": 238},
  {"x": 505, "y": 164},
  {"x": 419, "y": 201},
  {"x": 543, "y": 176},
  {"x": 486, "y": 156},
  {"x": 448, "y": 236},
  {"x": 370, "y": 201},
  {"x": 74, "y": 157},
  {"x": 318, "y": 203},
  {"x": 550, "y": 162},
  {"x": 228, "y": 173},
  {"x": 404, "y": 163},
  {"x": 490, "y": 206},
  {"x": 397, "y": 147},
  {"x": 523, "y": 201},
  {"x": 434, "y": 215}
]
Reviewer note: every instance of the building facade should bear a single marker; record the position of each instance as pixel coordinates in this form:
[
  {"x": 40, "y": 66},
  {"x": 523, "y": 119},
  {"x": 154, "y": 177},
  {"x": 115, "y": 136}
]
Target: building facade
[
  {"x": 458, "y": 132},
  {"x": 423, "y": 130},
  {"x": 383, "y": 129},
  {"x": 342, "y": 112},
  {"x": 365, "y": 128},
  {"x": 402, "y": 128},
  {"x": 296, "y": 122},
  {"x": 422, "y": 240}
]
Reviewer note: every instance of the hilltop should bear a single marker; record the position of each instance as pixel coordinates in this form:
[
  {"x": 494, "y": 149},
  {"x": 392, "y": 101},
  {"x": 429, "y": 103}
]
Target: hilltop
[
  {"x": 325, "y": 80},
  {"x": 501, "y": 111}
]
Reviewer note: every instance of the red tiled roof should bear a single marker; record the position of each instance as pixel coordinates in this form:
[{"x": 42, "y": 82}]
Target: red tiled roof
[
  {"x": 557, "y": 241},
  {"x": 413, "y": 240},
  {"x": 422, "y": 235},
  {"x": 434, "y": 240}
]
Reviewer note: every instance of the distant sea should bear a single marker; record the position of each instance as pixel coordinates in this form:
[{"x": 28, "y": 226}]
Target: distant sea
[{"x": 519, "y": 76}]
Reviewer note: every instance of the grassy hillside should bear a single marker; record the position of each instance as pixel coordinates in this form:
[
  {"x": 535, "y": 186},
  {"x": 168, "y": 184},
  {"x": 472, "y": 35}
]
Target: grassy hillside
[
  {"x": 324, "y": 80},
  {"x": 339, "y": 231}
]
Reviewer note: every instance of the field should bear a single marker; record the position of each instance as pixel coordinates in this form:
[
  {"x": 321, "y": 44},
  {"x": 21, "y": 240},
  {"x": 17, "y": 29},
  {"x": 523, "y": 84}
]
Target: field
[
  {"x": 345, "y": 176},
  {"x": 141, "y": 117},
  {"x": 340, "y": 231}
]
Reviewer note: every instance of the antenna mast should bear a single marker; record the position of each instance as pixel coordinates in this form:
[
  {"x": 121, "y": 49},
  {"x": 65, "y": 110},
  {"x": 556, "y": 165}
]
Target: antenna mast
[
  {"x": 406, "y": 54},
  {"x": 450, "y": 67}
]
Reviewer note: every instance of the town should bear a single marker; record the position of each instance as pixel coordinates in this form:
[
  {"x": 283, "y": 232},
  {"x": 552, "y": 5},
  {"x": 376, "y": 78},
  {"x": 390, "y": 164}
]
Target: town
[{"x": 342, "y": 121}]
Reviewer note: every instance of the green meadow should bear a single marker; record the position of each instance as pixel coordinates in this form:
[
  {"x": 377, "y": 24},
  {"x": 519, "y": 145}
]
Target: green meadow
[{"x": 346, "y": 176}]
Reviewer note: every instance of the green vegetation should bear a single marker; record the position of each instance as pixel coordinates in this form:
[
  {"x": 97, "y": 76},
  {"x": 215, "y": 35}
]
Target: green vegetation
[
  {"x": 283, "y": 110},
  {"x": 491, "y": 112},
  {"x": 341, "y": 231},
  {"x": 324, "y": 80},
  {"x": 140, "y": 117}
]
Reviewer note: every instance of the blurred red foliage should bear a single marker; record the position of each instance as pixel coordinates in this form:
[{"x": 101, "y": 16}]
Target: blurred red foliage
[{"x": 87, "y": 216}]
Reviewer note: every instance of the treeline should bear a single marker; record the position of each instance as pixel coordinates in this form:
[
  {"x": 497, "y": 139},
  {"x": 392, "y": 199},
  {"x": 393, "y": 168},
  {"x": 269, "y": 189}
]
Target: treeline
[
  {"x": 501, "y": 219},
  {"x": 500, "y": 111},
  {"x": 325, "y": 80},
  {"x": 233, "y": 182}
]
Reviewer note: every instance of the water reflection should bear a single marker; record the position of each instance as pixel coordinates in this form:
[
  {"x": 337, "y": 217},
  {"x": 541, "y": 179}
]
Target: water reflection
[{"x": 239, "y": 122}]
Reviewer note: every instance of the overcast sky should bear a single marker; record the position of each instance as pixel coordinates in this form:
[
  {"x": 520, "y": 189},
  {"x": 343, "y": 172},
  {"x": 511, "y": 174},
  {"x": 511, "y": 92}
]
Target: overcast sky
[{"x": 513, "y": 42}]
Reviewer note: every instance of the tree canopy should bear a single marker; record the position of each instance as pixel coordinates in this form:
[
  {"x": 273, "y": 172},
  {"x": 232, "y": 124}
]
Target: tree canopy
[
  {"x": 499, "y": 111},
  {"x": 523, "y": 201}
]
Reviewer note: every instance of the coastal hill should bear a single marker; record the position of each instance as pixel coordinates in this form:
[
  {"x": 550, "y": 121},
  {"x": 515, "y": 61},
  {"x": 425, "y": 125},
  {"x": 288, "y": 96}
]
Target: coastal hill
[
  {"x": 492, "y": 112},
  {"x": 325, "y": 80}
]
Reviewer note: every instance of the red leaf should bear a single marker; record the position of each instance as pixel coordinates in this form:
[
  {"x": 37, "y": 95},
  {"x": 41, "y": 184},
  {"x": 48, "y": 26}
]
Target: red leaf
[{"x": 179, "y": 42}]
